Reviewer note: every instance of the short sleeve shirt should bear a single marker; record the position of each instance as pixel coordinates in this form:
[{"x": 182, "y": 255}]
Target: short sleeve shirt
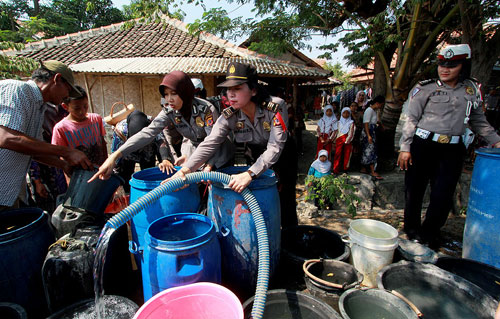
[
  {"x": 370, "y": 116},
  {"x": 21, "y": 109},
  {"x": 86, "y": 136}
]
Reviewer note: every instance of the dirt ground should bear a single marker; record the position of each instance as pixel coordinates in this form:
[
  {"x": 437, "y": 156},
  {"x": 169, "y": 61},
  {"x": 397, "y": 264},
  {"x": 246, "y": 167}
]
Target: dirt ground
[{"x": 338, "y": 221}]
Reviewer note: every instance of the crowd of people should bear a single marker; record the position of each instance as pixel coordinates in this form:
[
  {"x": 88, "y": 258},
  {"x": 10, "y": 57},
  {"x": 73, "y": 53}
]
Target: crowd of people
[{"x": 46, "y": 131}]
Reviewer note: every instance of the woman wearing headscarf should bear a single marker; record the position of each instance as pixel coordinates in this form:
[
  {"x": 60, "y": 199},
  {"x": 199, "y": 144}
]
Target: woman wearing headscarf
[
  {"x": 182, "y": 113},
  {"x": 327, "y": 127},
  {"x": 343, "y": 146},
  {"x": 361, "y": 100}
]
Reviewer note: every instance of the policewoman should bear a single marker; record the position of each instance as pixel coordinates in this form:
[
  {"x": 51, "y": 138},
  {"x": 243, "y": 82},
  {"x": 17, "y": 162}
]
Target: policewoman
[
  {"x": 431, "y": 146},
  {"x": 182, "y": 114},
  {"x": 258, "y": 121}
]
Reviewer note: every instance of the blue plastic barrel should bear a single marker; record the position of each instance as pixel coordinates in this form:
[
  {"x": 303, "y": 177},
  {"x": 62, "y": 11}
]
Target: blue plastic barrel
[
  {"x": 483, "y": 211},
  {"x": 25, "y": 236},
  {"x": 183, "y": 201},
  {"x": 180, "y": 249},
  {"x": 236, "y": 229}
]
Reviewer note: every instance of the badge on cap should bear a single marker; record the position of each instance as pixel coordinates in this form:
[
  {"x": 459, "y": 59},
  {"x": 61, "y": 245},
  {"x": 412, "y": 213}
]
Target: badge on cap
[
  {"x": 199, "y": 121},
  {"x": 209, "y": 119},
  {"x": 449, "y": 54},
  {"x": 266, "y": 126},
  {"x": 232, "y": 69},
  {"x": 240, "y": 125},
  {"x": 178, "y": 120},
  {"x": 469, "y": 90}
]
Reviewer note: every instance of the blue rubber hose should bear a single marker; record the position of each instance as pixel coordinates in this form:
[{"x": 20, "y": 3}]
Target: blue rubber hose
[{"x": 260, "y": 226}]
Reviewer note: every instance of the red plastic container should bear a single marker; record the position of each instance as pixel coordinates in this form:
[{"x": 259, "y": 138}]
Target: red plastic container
[{"x": 200, "y": 300}]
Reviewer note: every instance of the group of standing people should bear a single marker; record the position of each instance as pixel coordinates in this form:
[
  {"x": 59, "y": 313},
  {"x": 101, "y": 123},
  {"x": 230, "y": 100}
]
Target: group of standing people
[{"x": 353, "y": 132}]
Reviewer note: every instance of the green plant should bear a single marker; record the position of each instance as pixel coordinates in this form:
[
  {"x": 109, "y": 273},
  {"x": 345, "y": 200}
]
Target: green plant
[{"x": 330, "y": 189}]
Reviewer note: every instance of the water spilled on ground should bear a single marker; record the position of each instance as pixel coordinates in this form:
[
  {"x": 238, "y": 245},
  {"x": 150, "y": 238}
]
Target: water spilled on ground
[{"x": 112, "y": 307}]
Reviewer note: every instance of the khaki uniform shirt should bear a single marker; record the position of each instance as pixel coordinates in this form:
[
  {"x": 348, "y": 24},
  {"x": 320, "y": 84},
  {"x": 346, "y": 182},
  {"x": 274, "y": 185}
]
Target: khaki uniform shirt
[
  {"x": 193, "y": 132},
  {"x": 436, "y": 107},
  {"x": 266, "y": 130}
]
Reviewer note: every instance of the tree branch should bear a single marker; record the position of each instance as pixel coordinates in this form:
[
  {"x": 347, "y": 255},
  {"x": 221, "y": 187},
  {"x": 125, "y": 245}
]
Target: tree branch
[
  {"x": 432, "y": 37},
  {"x": 410, "y": 41}
]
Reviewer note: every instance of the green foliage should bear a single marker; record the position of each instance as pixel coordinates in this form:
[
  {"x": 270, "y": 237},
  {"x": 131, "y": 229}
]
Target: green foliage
[
  {"x": 152, "y": 11},
  {"x": 15, "y": 67},
  {"x": 330, "y": 189},
  {"x": 339, "y": 74}
]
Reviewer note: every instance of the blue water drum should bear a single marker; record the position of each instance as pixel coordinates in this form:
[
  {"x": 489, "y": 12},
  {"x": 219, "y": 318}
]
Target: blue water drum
[
  {"x": 183, "y": 201},
  {"x": 236, "y": 229},
  {"x": 483, "y": 211},
  {"x": 180, "y": 249},
  {"x": 25, "y": 237}
]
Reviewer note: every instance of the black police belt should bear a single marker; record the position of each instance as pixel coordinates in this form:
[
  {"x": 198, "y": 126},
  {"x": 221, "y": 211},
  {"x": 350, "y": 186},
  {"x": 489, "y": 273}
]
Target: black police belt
[{"x": 436, "y": 137}]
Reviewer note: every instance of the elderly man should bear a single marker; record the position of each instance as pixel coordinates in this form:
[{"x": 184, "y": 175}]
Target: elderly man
[
  {"x": 431, "y": 146},
  {"x": 22, "y": 105}
]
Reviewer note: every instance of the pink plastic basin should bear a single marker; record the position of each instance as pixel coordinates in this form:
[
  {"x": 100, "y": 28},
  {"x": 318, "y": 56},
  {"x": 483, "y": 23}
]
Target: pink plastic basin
[{"x": 201, "y": 300}]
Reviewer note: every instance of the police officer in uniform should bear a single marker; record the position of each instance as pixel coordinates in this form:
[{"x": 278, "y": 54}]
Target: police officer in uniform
[
  {"x": 259, "y": 121},
  {"x": 431, "y": 146},
  {"x": 182, "y": 114}
]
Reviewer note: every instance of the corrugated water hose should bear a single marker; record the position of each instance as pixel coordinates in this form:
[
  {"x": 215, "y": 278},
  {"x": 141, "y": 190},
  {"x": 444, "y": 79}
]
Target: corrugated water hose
[{"x": 260, "y": 226}]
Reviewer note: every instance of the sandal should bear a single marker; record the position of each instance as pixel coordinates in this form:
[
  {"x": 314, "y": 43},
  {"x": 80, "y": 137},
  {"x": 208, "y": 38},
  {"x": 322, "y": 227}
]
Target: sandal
[{"x": 377, "y": 177}]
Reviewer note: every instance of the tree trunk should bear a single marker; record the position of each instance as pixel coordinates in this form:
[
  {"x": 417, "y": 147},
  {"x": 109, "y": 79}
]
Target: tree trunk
[
  {"x": 379, "y": 80},
  {"x": 36, "y": 7},
  {"x": 484, "y": 52}
]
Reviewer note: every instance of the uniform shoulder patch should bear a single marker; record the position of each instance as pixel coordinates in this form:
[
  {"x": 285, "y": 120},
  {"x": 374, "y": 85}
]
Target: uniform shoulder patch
[
  {"x": 425, "y": 82},
  {"x": 415, "y": 91},
  {"x": 228, "y": 112}
]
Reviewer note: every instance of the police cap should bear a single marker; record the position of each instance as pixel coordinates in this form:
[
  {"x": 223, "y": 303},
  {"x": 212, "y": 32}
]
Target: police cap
[
  {"x": 239, "y": 73},
  {"x": 453, "y": 55}
]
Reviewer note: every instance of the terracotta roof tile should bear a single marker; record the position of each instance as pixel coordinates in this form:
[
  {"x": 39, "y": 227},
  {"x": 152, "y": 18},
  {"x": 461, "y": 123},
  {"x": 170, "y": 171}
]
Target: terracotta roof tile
[{"x": 114, "y": 49}]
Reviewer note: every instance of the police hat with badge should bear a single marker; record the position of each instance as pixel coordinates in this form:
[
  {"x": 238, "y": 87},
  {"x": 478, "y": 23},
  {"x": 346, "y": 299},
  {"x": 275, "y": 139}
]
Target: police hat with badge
[
  {"x": 452, "y": 55},
  {"x": 239, "y": 73}
]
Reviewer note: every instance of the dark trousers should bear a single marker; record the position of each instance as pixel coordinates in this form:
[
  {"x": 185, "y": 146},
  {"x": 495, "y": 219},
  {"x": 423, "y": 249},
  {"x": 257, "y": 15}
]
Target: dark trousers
[
  {"x": 286, "y": 171},
  {"x": 441, "y": 166}
]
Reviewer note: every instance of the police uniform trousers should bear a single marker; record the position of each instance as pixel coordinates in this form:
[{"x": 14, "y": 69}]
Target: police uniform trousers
[
  {"x": 286, "y": 171},
  {"x": 441, "y": 166}
]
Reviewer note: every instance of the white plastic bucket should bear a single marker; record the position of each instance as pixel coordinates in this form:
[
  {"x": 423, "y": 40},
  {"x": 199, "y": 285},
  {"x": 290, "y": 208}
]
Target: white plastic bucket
[{"x": 372, "y": 244}]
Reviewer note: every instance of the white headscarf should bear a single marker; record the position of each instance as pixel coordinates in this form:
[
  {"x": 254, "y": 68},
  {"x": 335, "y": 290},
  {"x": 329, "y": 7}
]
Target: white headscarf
[
  {"x": 327, "y": 124},
  {"x": 361, "y": 104},
  {"x": 345, "y": 123},
  {"x": 322, "y": 167}
]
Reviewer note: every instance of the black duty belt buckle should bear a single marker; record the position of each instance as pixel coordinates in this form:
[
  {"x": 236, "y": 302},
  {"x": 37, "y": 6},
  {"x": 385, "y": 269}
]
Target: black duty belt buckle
[{"x": 444, "y": 139}]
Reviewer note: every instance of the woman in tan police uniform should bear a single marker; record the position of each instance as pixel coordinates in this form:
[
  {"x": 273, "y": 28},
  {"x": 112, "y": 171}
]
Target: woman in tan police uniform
[
  {"x": 431, "y": 146},
  {"x": 258, "y": 121}
]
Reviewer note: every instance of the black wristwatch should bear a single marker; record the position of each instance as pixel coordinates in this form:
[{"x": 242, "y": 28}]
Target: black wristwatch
[{"x": 252, "y": 174}]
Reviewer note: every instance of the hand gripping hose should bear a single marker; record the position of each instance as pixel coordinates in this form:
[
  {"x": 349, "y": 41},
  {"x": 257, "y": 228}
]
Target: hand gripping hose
[{"x": 262, "y": 239}]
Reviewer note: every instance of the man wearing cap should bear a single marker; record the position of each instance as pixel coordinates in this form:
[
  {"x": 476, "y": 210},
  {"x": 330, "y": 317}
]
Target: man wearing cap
[
  {"x": 431, "y": 146},
  {"x": 22, "y": 106},
  {"x": 258, "y": 121}
]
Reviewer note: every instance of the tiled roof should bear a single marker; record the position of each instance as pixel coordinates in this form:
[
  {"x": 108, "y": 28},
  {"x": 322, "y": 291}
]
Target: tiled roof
[{"x": 155, "y": 49}]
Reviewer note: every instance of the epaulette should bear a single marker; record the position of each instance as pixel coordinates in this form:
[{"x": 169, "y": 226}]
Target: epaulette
[
  {"x": 271, "y": 106},
  {"x": 425, "y": 82},
  {"x": 228, "y": 112}
]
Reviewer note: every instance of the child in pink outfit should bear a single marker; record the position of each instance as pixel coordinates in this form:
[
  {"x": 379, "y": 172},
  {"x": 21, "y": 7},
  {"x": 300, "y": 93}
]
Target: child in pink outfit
[{"x": 81, "y": 130}]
